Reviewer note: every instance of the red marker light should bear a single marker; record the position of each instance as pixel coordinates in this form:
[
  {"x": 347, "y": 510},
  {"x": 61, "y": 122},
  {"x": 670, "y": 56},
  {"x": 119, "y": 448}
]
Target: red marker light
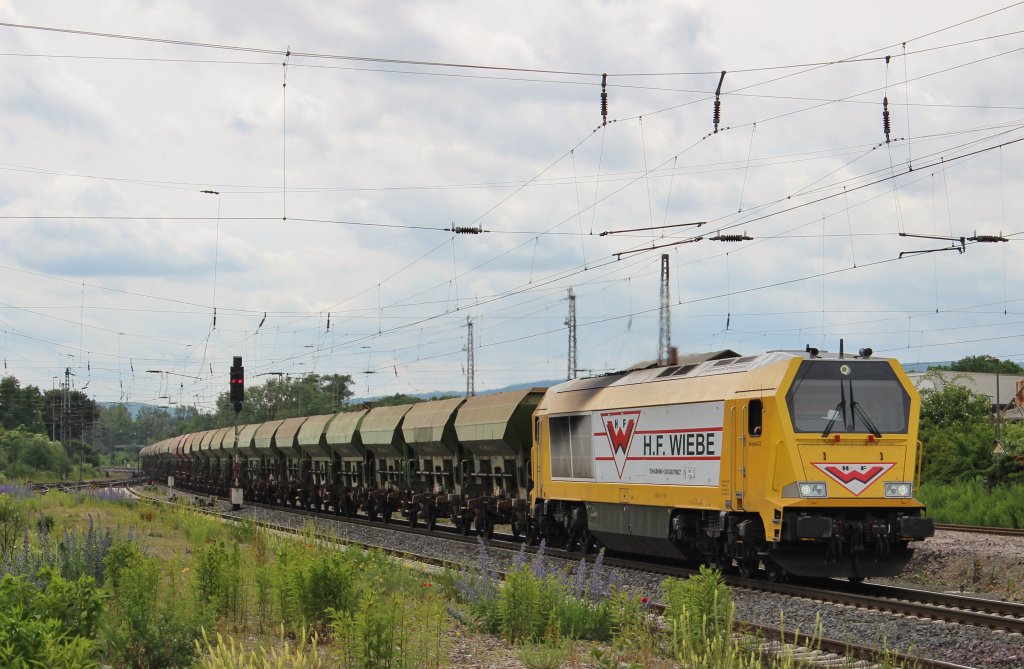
[
  {"x": 837, "y": 438},
  {"x": 871, "y": 438}
]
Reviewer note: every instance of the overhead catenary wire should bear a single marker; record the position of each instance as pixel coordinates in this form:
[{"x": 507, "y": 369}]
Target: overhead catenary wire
[{"x": 578, "y": 211}]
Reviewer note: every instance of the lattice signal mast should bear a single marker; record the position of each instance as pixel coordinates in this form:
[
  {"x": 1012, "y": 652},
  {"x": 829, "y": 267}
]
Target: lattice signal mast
[
  {"x": 573, "y": 350},
  {"x": 470, "y": 362},
  {"x": 664, "y": 316}
]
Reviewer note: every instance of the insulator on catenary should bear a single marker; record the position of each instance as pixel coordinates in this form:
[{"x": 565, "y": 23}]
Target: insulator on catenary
[
  {"x": 731, "y": 238},
  {"x": 604, "y": 99},
  {"x": 466, "y": 230},
  {"x": 717, "y": 115},
  {"x": 885, "y": 118}
]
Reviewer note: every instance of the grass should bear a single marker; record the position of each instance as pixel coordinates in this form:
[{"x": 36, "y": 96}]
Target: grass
[
  {"x": 974, "y": 503},
  {"x": 164, "y": 586}
]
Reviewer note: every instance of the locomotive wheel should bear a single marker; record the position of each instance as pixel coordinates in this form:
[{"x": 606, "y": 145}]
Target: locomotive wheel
[
  {"x": 774, "y": 572},
  {"x": 580, "y": 542}
]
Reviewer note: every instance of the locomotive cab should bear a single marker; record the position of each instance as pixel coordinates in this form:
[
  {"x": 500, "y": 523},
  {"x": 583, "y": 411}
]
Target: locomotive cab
[{"x": 847, "y": 471}]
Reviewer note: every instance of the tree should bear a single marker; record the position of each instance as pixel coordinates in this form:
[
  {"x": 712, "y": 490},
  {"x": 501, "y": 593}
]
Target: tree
[
  {"x": 72, "y": 421},
  {"x": 116, "y": 426},
  {"x": 286, "y": 397},
  {"x": 20, "y": 406},
  {"x": 24, "y": 452},
  {"x": 397, "y": 398},
  {"x": 983, "y": 363},
  {"x": 153, "y": 424},
  {"x": 956, "y": 430}
]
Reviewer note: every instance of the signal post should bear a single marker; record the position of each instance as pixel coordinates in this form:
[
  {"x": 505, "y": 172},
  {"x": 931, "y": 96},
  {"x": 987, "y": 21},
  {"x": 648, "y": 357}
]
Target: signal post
[{"x": 237, "y": 396}]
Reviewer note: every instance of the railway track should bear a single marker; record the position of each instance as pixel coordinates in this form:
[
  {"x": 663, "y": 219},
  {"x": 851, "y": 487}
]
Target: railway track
[
  {"x": 812, "y": 650},
  {"x": 71, "y": 486},
  {"x": 980, "y": 529}
]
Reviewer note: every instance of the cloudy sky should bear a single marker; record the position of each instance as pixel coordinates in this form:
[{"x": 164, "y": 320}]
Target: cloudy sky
[{"x": 325, "y": 241}]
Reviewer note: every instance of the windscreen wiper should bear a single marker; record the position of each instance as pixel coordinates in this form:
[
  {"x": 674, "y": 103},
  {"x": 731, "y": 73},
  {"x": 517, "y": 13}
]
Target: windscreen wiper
[
  {"x": 835, "y": 414},
  {"x": 857, "y": 409}
]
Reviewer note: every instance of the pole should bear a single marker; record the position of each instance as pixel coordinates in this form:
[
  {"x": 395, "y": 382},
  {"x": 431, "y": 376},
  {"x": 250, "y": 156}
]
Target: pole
[{"x": 999, "y": 410}]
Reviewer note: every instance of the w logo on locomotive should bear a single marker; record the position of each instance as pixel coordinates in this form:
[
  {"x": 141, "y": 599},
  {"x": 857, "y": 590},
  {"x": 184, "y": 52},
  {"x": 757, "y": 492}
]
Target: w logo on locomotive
[
  {"x": 620, "y": 426},
  {"x": 854, "y": 476}
]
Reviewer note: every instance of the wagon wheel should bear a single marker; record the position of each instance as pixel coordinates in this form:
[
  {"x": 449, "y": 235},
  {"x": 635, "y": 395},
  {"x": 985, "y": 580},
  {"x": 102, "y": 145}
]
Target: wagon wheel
[
  {"x": 532, "y": 534},
  {"x": 385, "y": 512},
  {"x": 485, "y": 526},
  {"x": 430, "y": 518},
  {"x": 519, "y": 523},
  {"x": 464, "y": 524},
  {"x": 371, "y": 511},
  {"x": 413, "y": 514}
]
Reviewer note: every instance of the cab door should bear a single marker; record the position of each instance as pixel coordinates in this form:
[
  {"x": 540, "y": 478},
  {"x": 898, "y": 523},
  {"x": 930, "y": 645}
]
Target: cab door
[{"x": 746, "y": 424}]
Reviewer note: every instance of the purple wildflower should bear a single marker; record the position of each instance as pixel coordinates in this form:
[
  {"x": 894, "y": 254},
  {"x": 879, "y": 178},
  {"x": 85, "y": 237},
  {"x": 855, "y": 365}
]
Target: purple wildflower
[
  {"x": 598, "y": 585},
  {"x": 15, "y": 490},
  {"x": 520, "y": 559},
  {"x": 579, "y": 579},
  {"x": 539, "y": 564}
]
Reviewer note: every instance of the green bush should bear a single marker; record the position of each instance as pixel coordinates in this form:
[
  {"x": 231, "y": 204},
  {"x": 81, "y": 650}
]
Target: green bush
[
  {"x": 535, "y": 603},
  {"x": 30, "y": 643},
  {"x": 309, "y": 581},
  {"x": 12, "y": 525},
  {"x": 49, "y": 625},
  {"x": 392, "y": 631},
  {"x": 219, "y": 580},
  {"x": 700, "y": 609},
  {"x": 149, "y": 625}
]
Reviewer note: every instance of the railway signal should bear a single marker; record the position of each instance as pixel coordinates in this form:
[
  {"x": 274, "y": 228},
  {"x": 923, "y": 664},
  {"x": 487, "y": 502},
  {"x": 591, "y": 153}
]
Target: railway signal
[{"x": 237, "y": 393}]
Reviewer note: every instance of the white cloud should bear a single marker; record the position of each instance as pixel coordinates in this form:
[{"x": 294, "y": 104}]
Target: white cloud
[{"x": 97, "y": 253}]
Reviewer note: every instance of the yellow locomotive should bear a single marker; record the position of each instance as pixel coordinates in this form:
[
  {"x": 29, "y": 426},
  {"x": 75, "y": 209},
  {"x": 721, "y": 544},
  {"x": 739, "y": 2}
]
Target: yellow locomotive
[{"x": 795, "y": 462}]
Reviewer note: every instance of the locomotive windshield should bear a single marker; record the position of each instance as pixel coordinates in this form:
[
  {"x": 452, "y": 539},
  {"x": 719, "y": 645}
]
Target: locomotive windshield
[{"x": 848, "y": 396}]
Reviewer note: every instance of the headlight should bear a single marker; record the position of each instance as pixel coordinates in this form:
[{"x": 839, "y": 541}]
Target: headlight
[
  {"x": 812, "y": 489},
  {"x": 899, "y": 489}
]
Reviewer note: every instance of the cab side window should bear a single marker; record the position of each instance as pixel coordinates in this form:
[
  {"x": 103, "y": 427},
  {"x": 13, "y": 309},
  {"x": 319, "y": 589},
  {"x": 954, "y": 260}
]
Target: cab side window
[{"x": 755, "y": 412}]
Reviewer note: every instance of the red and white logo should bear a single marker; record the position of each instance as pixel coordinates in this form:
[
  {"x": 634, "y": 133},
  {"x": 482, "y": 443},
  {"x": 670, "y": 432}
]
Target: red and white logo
[
  {"x": 854, "y": 476},
  {"x": 619, "y": 427}
]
